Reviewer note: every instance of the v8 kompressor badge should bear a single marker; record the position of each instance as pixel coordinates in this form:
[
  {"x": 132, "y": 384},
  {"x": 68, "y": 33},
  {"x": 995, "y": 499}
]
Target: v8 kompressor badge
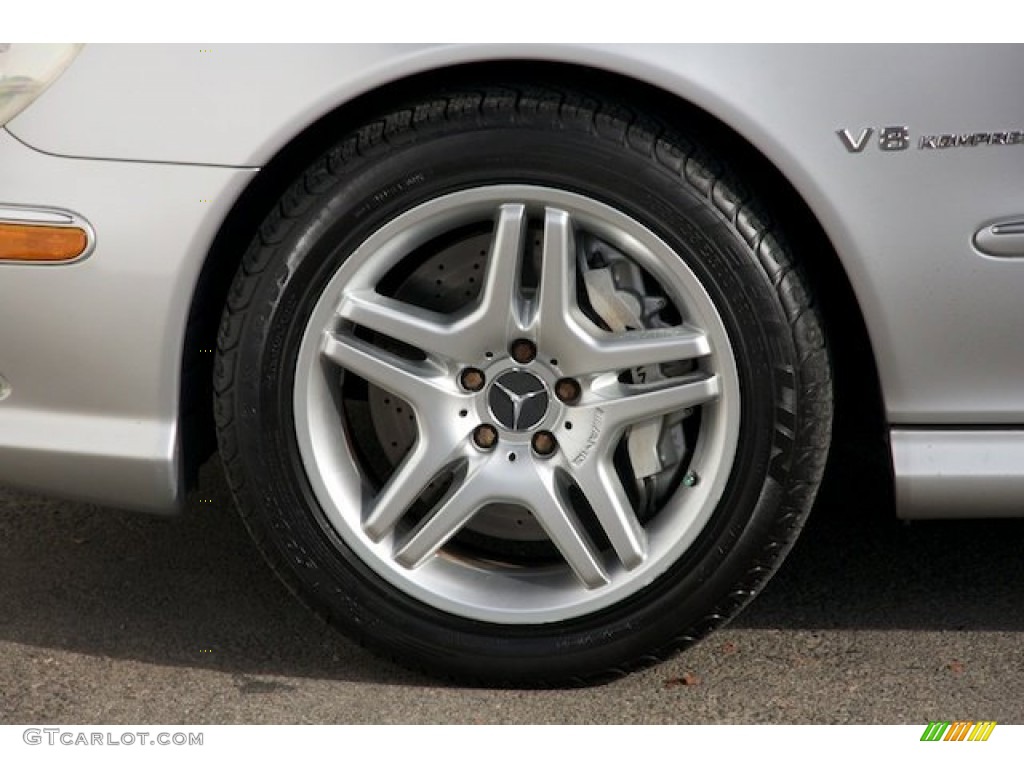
[{"x": 897, "y": 137}]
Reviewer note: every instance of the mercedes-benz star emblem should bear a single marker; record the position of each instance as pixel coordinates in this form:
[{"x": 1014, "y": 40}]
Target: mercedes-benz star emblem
[{"x": 518, "y": 400}]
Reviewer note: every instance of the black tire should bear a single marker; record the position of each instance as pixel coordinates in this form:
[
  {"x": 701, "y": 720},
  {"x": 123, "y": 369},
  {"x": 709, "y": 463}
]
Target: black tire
[{"x": 605, "y": 152}]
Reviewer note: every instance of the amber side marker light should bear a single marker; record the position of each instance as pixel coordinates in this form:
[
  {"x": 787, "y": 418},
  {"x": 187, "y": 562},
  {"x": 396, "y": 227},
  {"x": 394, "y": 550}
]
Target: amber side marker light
[{"x": 34, "y": 242}]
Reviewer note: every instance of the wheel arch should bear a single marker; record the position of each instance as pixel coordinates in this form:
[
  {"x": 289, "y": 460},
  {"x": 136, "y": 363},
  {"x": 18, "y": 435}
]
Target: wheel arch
[{"x": 859, "y": 407}]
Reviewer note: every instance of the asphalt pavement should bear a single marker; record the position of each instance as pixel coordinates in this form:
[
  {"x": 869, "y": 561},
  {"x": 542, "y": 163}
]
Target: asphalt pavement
[{"x": 114, "y": 617}]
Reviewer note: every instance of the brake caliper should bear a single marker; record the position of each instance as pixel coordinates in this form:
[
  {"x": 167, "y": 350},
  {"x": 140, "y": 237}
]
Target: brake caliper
[{"x": 616, "y": 291}]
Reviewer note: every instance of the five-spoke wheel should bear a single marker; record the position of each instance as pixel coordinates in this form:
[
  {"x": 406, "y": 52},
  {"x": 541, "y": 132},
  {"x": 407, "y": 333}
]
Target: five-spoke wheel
[
  {"x": 521, "y": 399},
  {"x": 518, "y": 387}
]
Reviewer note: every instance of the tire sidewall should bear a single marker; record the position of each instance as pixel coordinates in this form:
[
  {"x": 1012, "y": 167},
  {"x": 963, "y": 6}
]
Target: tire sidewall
[{"x": 378, "y": 186}]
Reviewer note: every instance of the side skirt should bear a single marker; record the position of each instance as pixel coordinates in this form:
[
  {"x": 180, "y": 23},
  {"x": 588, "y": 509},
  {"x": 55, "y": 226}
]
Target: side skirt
[{"x": 945, "y": 473}]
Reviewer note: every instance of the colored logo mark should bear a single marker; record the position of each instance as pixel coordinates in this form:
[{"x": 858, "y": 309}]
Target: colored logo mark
[{"x": 959, "y": 730}]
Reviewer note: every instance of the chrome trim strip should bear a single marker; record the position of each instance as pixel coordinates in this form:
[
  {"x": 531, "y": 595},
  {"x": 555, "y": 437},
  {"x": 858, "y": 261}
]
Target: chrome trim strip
[
  {"x": 51, "y": 217},
  {"x": 1004, "y": 238},
  {"x": 958, "y": 473}
]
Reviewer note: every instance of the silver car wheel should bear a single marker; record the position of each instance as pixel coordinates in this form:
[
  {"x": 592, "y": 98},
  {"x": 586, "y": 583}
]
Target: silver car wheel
[{"x": 520, "y": 403}]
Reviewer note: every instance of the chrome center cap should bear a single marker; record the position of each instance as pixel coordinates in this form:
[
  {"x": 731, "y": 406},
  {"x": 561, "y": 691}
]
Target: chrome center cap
[{"x": 518, "y": 400}]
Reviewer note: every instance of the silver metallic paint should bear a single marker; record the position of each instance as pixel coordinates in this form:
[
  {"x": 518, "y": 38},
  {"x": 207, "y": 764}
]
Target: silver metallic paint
[
  {"x": 92, "y": 350},
  {"x": 940, "y": 314},
  {"x": 901, "y": 221}
]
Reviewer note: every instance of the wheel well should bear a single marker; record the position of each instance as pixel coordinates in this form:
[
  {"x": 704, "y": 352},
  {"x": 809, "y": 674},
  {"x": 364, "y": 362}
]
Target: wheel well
[{"x": 859, "y": 411}]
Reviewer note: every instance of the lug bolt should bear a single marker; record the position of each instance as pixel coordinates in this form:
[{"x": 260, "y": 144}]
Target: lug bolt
[
  {"x": 485, "y": 436},
  {"x": 523, "y": 351},
  {"x": 544, "y": 443},
  {"x": 567, "y": 390},
  {"x": 472, "y": 379}
]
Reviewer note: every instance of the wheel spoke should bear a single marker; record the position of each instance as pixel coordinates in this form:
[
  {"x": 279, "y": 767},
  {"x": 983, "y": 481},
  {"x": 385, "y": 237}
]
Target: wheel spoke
[
  {"x": 431, "y": 332},
  {"x": 488, "y": 483},
  {"x": 599, "y": 483},
  {"x": 485, "y": 326},
  {"x": 421, "y": 466},
  {"x": 418, "y": 382},
  {"x": 553, "y": 510},
  {"x": 580, "y": 345},
  {"x": 635, "y": 349},
  {"x": 551, "y": 321},
  {"x": 461, "y": 503},
  {"x": 557, "y": 322},
  {"x": 625, "y": 404},
  {"x": 499, "y": 297}
]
